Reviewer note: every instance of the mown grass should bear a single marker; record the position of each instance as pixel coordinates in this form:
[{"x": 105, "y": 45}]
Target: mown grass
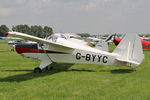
[{"x": 71, "y": 81}]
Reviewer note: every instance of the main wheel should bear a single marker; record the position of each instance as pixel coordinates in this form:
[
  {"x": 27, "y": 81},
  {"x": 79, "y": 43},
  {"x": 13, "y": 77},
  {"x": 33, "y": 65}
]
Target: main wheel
[
  {"x": 37, "y": 70},
  {"x": 49, "y": 67}
]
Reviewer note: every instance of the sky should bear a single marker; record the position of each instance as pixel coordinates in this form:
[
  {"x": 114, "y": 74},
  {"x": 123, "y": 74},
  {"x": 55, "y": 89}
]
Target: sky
[{"x": 78, "y": 16}]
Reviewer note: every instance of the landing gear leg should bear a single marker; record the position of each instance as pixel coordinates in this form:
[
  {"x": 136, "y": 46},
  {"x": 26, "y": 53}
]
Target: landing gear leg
[
  {"x": 46, "y": 61},
  {"x": 44, "y": 64}
]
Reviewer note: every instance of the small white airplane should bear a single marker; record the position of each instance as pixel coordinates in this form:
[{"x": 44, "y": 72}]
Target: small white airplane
[{"x": 58, "y": 49}]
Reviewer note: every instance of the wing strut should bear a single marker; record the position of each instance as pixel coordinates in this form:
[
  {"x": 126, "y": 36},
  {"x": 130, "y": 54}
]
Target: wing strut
[{"x": 45, "y": 53}]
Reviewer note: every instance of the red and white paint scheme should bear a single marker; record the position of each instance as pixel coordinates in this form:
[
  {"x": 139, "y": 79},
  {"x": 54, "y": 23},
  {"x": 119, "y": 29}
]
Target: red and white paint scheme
[
  {"x": 57, "y": 48},
  {"x": 145, "y": 44}
]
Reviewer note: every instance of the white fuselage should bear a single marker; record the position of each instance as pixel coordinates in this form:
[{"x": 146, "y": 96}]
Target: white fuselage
[{"x": 81, "y": 54}]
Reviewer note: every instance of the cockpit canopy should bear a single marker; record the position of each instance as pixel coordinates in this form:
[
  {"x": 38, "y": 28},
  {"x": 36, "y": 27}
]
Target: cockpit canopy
[{"x": 55, "y": 36}]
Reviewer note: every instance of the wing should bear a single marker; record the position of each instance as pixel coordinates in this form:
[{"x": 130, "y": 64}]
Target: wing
[{"x": 36, "y": 39}]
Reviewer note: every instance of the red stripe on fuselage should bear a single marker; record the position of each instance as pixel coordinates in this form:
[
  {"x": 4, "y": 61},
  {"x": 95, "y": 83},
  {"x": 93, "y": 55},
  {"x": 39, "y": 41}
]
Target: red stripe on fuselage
[{"x": 29, "y": 50}]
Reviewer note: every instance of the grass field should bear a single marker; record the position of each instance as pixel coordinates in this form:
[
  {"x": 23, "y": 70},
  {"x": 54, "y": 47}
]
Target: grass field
[{"x": 71, "y": 81}]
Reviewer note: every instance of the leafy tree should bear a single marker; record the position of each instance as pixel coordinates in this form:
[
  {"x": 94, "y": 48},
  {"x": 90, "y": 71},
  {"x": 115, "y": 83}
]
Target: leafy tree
[
  {"x": 39, "y": 31},
  {"x": 26, "y": 29},
  {"x": 47, "y": 31},
  {"x": 35, "y": 30},
  {"x": 3, "y": 29},
  {"x": 21, "y": 28},
  {"x": 14, "y": 28}
]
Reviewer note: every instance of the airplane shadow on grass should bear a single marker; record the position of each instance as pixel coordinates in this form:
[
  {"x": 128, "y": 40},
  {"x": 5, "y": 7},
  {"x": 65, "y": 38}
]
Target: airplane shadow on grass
[
  {"x": 121, "y": 71},
  {"x": 31, "y": 75},
  {"x": 57, "y": 68}
]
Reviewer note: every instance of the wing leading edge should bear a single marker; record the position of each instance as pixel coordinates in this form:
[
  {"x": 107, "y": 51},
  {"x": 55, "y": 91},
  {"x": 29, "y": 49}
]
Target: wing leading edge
[{"x": 36, "y": 39}]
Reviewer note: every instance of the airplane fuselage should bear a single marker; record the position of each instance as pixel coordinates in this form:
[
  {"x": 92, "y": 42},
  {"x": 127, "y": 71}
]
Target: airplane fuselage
[{"x": 61, "y": 55}]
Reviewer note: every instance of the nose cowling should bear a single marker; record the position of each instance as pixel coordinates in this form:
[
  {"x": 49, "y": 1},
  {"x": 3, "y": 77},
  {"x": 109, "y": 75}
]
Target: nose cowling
[{"x": 26, "y": 47}]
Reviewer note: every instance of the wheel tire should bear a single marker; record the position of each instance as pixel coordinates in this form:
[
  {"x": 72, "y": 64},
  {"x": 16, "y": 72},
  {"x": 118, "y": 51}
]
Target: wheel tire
[
  {"x": 37, "y": 70},
  {"x": 49, "y": 67}
]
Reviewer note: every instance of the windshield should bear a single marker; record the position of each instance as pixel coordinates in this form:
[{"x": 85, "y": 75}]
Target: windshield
[{"x": 55, "y": 36}]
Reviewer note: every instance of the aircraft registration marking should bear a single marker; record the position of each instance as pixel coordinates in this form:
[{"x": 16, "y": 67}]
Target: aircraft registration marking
[{"x": 92, "y": 57}]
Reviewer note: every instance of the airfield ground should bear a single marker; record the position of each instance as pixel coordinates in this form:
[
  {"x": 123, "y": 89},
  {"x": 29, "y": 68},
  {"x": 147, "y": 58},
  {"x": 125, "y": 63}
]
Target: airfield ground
[{"x": 71, "y": 81}]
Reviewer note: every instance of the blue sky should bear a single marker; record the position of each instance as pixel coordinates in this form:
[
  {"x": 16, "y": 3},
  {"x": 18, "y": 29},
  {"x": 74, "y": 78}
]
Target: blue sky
[{"x": 92, "y": 16}]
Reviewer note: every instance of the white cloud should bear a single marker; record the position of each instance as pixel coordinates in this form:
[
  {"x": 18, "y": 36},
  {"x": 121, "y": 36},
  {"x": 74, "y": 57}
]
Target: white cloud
[{"x": 79, "y": 15}]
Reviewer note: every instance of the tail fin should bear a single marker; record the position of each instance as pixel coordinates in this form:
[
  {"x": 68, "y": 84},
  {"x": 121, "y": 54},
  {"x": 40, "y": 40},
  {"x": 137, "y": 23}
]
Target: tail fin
[
  {"x": 130, "y": 50},
  {"x": 109, "y": 38}
]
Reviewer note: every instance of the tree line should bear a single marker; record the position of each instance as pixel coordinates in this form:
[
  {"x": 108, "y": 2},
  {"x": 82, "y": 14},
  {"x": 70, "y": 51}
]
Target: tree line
[
  {"x": 35, "y": 30},
  {"x": 84, "y": 35}
]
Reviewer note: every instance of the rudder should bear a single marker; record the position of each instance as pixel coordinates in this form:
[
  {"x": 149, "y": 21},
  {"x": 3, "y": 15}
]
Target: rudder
[{"x": 130, "y": 50}]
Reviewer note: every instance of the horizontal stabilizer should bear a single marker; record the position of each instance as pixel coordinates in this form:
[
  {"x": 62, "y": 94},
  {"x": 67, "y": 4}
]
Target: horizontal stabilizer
[{"x": 128, "y": 62}]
